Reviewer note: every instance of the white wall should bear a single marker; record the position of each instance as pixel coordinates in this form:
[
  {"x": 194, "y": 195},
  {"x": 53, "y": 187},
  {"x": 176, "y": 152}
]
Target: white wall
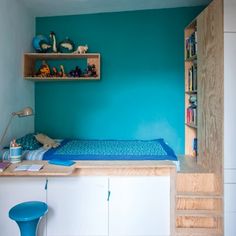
[
  {"x": 230, "y": 15},
  {"x": 17, "y": 29},
  {"x": 229, "y": 116}
]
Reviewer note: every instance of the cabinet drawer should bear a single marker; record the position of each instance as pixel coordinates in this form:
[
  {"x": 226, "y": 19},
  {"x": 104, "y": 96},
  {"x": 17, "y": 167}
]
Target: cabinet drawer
[
  {"x": 230, "y": 226},
  {"x": 230, "y": 176},
  {"x": 230, "y": 196}
]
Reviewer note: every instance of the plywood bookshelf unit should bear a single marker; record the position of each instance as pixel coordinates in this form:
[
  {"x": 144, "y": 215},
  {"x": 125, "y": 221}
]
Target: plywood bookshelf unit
[
  {"x": 199, "y": 186},
  {"x": 190, "y": 88},
  {"x": 30, "y": 60}
]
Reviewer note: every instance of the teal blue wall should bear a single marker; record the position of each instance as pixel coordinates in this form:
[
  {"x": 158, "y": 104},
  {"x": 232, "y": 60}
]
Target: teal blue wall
[{"x": 141, "y": 91}]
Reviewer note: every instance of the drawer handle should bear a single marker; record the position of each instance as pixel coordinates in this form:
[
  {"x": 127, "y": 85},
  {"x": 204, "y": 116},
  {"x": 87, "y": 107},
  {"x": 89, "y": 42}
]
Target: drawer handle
[
  {"x": 46, "y": 184},
  {"x": 108, "y": 196}
]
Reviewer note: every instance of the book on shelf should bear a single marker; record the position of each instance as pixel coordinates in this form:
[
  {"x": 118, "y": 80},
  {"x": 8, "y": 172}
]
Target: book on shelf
[
  {"x": 195, "y": 147},
  {"x": 192, "y": 115},
  {"x": 4, "y": 165},
  {"x": 192, "y": 78},
  {"x": 191, "y": 45},
  {"x": 33, "y": 167}
]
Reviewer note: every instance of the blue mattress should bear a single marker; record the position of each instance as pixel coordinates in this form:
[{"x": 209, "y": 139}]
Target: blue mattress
[{"x": 133, "y": 150}]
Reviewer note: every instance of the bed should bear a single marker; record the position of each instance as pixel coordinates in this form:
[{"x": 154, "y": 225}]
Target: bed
[{"x": 100, "y": 150}]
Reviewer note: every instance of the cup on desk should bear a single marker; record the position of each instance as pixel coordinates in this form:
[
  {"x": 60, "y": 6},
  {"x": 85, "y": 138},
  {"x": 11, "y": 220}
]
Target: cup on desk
[{"x": 15, "y": 154}]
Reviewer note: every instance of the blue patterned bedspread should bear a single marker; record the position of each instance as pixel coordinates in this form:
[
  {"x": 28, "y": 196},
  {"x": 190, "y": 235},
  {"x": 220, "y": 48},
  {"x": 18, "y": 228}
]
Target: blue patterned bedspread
[{"x": 132, "y": 150}]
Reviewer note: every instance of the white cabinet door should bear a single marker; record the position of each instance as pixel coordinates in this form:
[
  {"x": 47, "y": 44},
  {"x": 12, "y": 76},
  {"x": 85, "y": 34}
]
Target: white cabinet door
[
  {"x": 14, "y": 191},
  {"x": 229, "y": 100},
  {"x": 139, "y": 206},
  {"x": 78, "y": 206},
  {"x": 230, "y": 15}
]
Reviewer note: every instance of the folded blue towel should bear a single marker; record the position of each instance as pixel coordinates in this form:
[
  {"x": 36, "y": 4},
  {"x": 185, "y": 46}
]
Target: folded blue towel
[{"x": 61, "y": 162}]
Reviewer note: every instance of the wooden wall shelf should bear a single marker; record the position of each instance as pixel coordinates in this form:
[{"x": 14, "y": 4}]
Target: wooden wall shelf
[{"x": 30, "y": 60}]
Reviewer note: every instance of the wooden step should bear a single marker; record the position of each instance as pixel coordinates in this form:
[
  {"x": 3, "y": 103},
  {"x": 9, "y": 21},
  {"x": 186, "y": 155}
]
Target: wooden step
[
  {"x": 198, "y": 232},
  {"x": 199, "y": 213},
  {"x": 198, "y": 195},
  {"x": 197, "y": 222},
  {"x": 195, "y": 182},
  {"x": 184, "y": 202}
]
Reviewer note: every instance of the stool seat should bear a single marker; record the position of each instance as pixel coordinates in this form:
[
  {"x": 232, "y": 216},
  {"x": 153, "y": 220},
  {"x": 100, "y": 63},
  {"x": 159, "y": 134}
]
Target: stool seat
[{"x": 28, "y": 211}]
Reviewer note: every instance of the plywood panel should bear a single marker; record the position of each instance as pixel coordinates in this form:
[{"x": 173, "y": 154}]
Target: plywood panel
[
  {"x": 199, "y": 182},
  {"x": 198, "y": 204},
  {"x": 210, "y": 87},
  {"x": 192, "y": 222}
]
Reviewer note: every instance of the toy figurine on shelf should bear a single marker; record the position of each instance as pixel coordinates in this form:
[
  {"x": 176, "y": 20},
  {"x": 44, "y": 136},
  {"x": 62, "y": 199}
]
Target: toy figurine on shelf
[
  {"x": 75, "y": 73},
  {"x": 54, "y": 42},
  {"x": 66, "y": 46},
  {"x": 44, "y": 70},
  {"x": 62, "y": 71},
  {"x": 81, "y": 49},
  {"x": 54, "y": 72},
  {"x": 41, "y": 43},
  {"x": 91, "y": 71}
]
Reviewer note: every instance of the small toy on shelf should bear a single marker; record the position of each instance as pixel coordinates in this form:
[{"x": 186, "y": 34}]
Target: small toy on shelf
[
  {"x": 66, "y": 46},
  {"x": 54, "y": 42},
  {"x": 41, "y": 43},
  {"x": 44, "y": 70},
  {"x": 62, "y": 71},
  {"x": 54, "y": 72},
  {"x": 75, "y": 73},
  {"x": 91, "y": 71},
  {"x": 81, "y": 49}
]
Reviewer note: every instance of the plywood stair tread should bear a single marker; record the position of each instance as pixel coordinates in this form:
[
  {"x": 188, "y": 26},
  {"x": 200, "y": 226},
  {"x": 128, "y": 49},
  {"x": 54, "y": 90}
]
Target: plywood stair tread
[
  {"x": 198, "y": 195},
  {"x": 198, "y": 232},
  {"x": 199, "y": 213}
]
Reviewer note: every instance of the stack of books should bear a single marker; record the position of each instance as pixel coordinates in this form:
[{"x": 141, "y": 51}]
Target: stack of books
[{"x": 4, "y": 165}]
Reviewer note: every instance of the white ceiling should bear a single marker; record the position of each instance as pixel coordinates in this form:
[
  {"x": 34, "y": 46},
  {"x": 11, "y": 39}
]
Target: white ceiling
[{"x": 72, "y": 7}]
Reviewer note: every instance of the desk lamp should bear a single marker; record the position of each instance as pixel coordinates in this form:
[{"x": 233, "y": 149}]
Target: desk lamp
[{"x": 27, "y": 111}]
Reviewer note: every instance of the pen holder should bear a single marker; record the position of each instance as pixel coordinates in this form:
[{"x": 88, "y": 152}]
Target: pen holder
[{"x": 15, "y": 154}]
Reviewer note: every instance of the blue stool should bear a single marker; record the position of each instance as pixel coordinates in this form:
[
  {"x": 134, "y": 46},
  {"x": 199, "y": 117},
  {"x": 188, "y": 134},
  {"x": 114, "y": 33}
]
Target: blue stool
[{"x": 27, "y": 216}]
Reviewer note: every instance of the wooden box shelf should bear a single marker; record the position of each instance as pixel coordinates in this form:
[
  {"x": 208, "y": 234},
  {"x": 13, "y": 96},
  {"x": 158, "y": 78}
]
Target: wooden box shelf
[{"x": 30, "y": 60}]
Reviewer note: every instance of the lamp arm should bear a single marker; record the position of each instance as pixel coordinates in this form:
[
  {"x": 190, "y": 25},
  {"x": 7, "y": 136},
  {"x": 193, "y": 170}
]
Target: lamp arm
[{"x": 5, "y": 131}]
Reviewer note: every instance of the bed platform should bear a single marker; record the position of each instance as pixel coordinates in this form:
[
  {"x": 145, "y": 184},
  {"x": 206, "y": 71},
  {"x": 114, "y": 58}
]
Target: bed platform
[{"x": 104, "y": 150}]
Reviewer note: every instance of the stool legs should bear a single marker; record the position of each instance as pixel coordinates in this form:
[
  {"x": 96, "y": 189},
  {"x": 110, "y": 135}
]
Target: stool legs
[{"x": 28, "y": 228}]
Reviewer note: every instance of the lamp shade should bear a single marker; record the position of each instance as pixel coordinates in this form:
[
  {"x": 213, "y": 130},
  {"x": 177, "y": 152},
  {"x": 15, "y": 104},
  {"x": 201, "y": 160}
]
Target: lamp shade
[{"x": 27, "y": 111}]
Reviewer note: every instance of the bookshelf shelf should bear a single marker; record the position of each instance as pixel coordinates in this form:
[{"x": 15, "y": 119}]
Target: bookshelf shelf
[
  {"x": 193, "y": 126},
  {"x": 191, "y": 92},
  {"x": 192, "y": 58},
  {"x": 191, "y": 85}
]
